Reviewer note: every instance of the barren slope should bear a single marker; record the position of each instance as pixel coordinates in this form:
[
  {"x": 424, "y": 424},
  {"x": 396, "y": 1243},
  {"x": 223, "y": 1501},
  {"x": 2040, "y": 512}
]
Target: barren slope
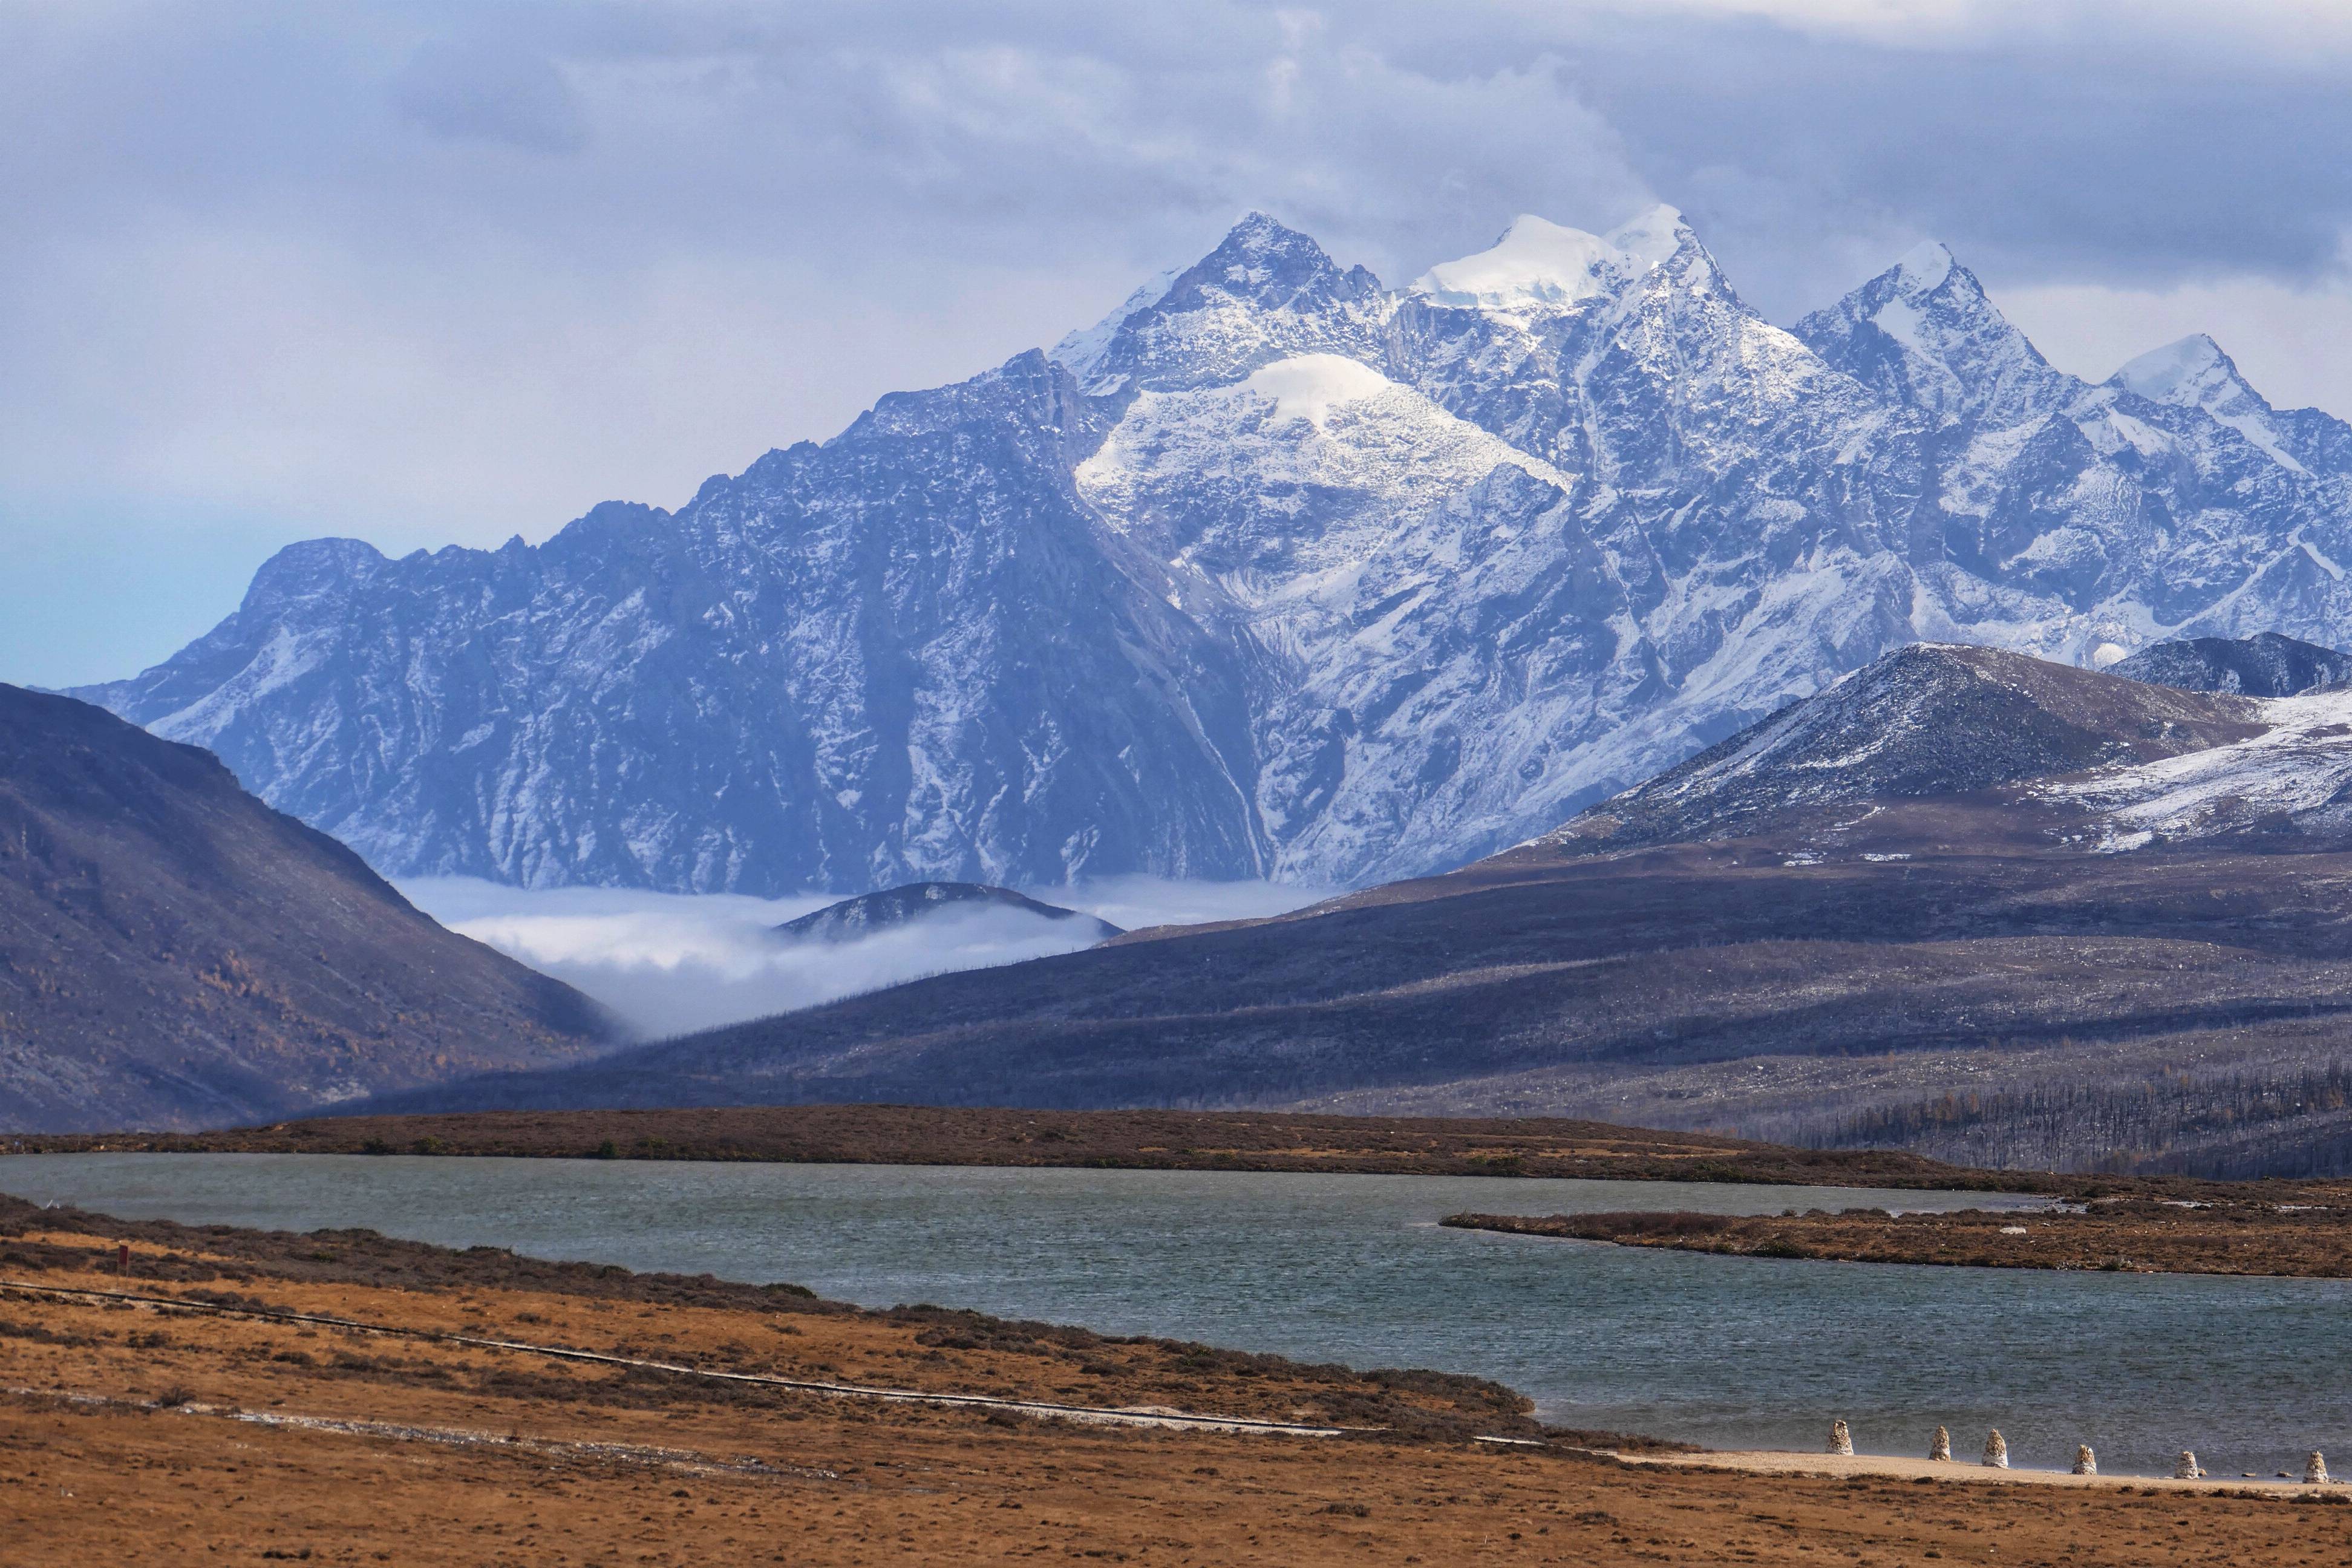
[{"x": 173, "y": 952}]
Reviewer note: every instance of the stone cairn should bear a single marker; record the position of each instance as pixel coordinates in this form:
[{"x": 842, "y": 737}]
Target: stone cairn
[
  {"x": 1996, "y": 1450},
  {"x": 2315, "y": 1470},
  {"x": 2087, "y": 1463},
  {"x": 1940, "y": 1447},
  {"x": 2187, "y": 1470},
  {"x": 1841, "y": 1439}
]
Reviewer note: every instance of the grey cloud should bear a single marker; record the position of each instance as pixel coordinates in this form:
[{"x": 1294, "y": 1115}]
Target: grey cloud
[
  {"x": 477, "y": 90},
  {"x": 426, "y": 271}
]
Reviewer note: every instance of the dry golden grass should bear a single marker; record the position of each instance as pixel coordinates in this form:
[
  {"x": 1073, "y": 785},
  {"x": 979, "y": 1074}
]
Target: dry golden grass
[{"x": 463, "y": 1455}]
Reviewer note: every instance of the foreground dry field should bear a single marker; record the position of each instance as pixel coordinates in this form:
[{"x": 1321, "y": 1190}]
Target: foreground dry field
[{"x": 137, "y": 1433}]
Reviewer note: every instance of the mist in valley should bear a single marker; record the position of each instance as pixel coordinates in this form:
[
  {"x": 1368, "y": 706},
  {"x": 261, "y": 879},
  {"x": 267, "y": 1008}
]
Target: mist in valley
[{"x": 670, "y": 964}]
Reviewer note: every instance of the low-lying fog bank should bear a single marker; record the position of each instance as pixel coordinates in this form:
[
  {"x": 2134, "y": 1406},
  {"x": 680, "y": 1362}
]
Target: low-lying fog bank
[{"x": 672, "y": 962}]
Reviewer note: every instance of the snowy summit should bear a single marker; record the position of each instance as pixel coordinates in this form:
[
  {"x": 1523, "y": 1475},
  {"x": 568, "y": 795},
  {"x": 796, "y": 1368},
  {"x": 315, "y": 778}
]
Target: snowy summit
[
  {"x": 1275, "y": 572},
  {"x": 1538, "y": 264}
]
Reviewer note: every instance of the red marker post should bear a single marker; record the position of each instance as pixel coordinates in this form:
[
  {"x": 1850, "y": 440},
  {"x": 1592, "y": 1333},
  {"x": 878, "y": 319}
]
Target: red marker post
[{"x": 122, "y": 1258}]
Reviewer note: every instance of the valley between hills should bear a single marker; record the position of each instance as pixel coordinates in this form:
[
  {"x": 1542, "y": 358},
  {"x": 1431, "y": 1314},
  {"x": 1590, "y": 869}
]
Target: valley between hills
[
  {"x": 846, "y": 786},
  {"x": 1995, "y": 910}
]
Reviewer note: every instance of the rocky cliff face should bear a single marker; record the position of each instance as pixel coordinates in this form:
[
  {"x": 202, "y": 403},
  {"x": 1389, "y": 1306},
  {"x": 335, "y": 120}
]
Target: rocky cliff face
[{"x": 1277, "y": 572}]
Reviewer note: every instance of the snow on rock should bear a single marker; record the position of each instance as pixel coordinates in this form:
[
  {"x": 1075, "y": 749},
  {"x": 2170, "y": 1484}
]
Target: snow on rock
[
  {"x": 1274, "y": 571},
  {"x": 1651, "y": 238},
  {"x": 1081, "y": 351},
  {"x": 2299, "y": 771},
  {"x": 2185, "y": 373},
  {"x": 2195, "y": 373}
]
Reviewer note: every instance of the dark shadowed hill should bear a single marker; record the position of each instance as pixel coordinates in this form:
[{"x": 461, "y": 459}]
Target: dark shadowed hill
[
  {"x": 869, "y": 913},
  {"x": 2267, "y": 665},
  {"x": 174, "y": 953},
  {"x": 1955, "y": 876}
]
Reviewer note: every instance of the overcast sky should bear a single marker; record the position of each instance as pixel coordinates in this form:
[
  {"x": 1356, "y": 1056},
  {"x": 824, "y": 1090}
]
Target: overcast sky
[{"x": 443, "y": 272}]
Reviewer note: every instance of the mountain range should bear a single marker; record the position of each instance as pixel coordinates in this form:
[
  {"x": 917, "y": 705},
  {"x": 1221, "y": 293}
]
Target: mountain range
[
  {"x": 1964, "y": 900},
  {"x": 1276, "y": 572},
  {"x": 174, "y": 953}
]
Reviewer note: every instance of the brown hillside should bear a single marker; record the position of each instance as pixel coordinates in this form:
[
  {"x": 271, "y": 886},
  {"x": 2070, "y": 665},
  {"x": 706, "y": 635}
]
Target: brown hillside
[{"x": 174, "y": 953}]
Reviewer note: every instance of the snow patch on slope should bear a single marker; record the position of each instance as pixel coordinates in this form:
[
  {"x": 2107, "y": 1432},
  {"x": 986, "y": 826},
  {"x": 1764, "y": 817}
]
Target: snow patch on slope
[
  {"x": 2184, "y": 372},
  {"x": 1081, "y": 351},
  {"x": 2301, "y": 765}
]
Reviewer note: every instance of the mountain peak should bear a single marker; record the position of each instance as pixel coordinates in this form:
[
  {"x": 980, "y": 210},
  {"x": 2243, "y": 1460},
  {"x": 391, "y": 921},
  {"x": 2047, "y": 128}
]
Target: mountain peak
[
  {"x": 1266, "y": 293},
  {"x": 2185, "y": 374},
  {"x": 894, "y": 908},
  {"x": 2195, "y": 373},
  {"x": 2264, "y": 665},
  {"x": 1650, "y": 237},
  {"x": 1256, "y": 233},
  {"x": 1925, "y": 332},
  {"x": 1537, "y": 263},
  {"x": 1925, "y": 267}
]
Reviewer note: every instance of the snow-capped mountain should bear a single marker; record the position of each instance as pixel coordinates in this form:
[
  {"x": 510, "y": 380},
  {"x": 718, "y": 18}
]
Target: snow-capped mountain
[{"x": 1275, "y": 571}]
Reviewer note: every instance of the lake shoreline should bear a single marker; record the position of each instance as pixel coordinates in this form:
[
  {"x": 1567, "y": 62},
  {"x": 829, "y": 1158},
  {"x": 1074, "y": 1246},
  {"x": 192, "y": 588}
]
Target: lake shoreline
[
  {"x": 337, "y": 1394},
  {"x": 2303, "y": 1232},
  {"x": 1966, "y": 1472},
  {"x": 1116, "y": 1139}
]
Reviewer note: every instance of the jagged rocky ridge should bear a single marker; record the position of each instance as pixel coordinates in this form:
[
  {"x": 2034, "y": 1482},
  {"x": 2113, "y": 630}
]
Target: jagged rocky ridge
[
  {"x": 892, "y": 908},
  {"x": 2264, "y": 665},
  {"x": 1277, "y": 572},
  {"x": 1939, "y": 903}
]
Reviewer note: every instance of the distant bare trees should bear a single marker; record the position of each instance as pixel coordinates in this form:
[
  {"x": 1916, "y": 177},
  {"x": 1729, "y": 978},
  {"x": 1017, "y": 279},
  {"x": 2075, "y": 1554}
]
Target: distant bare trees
[{"x": 2287, "y": 1122}]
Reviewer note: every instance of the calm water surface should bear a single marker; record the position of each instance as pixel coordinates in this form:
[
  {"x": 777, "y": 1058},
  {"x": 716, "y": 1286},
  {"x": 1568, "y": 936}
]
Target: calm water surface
[{"x": 1726, "y": 1352}]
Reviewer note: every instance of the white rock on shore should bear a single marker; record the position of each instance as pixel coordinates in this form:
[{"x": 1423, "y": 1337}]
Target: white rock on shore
[
  {"x": 1841, "y": 1439},
  {"x": 1940, "y": 1447},
  {"x": 1996, "y": 1452}
]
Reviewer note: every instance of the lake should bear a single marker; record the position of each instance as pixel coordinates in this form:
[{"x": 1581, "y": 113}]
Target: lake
[{"x": 1731, "y": 1352}]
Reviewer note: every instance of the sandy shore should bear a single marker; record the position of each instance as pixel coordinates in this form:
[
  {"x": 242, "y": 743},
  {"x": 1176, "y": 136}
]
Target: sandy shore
[{"x": 1888, "y": 1467}]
